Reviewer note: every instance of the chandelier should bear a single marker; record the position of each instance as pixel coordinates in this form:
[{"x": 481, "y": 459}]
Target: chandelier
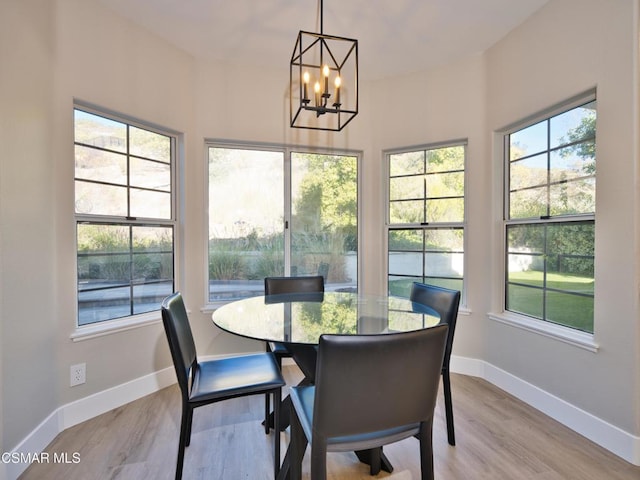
[{"x": 323, "y": 81}]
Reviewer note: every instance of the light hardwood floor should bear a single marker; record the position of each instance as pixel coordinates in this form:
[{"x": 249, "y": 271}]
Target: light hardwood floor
[{"x": 498, "y": 437}]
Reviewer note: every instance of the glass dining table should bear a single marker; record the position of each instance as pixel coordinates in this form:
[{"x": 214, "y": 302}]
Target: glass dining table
[
  {"x": 300, "y": 318},
  {"x": 297, "y": 320}
]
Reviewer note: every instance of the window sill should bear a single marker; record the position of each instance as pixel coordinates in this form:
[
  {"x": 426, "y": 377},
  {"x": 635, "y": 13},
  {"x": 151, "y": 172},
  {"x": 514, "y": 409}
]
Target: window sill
[
  {"x": 99, "y": 329},
  {"x": 557, "y": 332}
]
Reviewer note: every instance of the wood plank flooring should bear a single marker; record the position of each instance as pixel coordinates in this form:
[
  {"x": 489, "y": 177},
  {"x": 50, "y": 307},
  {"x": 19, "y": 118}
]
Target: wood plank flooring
[{"x": 498, "y": 437}]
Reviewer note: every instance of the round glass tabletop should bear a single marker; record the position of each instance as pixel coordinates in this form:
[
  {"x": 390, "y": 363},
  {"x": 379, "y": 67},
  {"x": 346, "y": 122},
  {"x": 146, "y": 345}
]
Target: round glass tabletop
[{"x": 302, "y": 317}]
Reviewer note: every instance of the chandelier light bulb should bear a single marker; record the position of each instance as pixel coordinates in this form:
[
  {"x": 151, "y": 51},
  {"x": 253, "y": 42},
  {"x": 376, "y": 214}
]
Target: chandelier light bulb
[{"x": 305, "y": 78}]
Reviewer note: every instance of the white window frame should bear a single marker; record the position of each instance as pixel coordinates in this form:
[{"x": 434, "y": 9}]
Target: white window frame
[
  {"x": 109, "y": 326},
  {"x": 287, "y": 151},
  {"x": 564, "y": 334},
  {"x": 444, "y": 225}
]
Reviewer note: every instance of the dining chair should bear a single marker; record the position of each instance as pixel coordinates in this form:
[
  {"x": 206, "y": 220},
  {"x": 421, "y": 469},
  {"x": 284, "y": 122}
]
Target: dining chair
[
  {"x": 446, "y": 303},
  {"x": 280, "y": 286},
  {"x": 387, "y": 393},
  {"x": 206, "y": 382}
]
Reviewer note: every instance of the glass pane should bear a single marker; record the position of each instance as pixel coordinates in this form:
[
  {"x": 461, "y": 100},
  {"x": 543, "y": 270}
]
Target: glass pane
[
  {"x": 573, "y": 162},
  {"x": 445, "y": 210},
  {"x": 529, "y": 238},
  {"x": 573, "y": 197},
  {"x": 148, "y": 297},
  {"x": 406, "y": 212},
  {"x": 445, "y": 185},
  {"x": 108, "y": 269},
  {"x": 105, "y": 277},
  {"x": 152, "y": 267},
  {"x": 525, "y": 247},
  {"x": 94, "y": 164},
  {"x": 246, "y": 224},
  {"x": 528, "y": 141},
  {"x": 324, "y": 218},
  {"x": 409, "y": 163},
  {"x": 570, "y": 254},
  {"x": 405, "y": 263},
  {"x": 529, "y": 172},
  {"x": 99, "y": 131},
  {"x": 451, "y": 283},
  {"x": 152, "y": 253},
  {"x": 531, "y": 203},
  {"x": 575, "y": 125},
  {"x": 400, "y": 286},
  {"x": 404, "y": 188},
  {"x": 98, "y": 199},
  {"x": 144, "y": 143},
  {"x": 558, "y": 259},
  {"x": 570, "y": 310},
  {"x": 147, "y": 174},
  {"x": 148, "y": 204},
  {"x": 445, "y": 253},
  {"x": 442, "y": 264},
  {"x": 100, "y": 239},
  {"x": 103, "y": 273},
  {"x": 445, "y": 159},
  {"x": 406, "y": 240},
  {"x": 525, "y": 300},
  {"x": 100, "y": 305},
  {"x": 445, "y": 240}
]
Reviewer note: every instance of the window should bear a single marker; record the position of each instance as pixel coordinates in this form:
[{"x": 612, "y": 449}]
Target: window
[
  {"x": 278, "y": 211},
  {"x": 125, "y": 220},
  {"x": 426, "y": 217},
  {"x": 550, "y": 216}
]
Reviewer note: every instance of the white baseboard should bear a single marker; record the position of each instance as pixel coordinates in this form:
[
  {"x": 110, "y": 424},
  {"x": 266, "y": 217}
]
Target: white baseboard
[
  {"x": 79, "y": 411},
  {"x": 610, "y": 437},
  {"x": 88, "y": 407}
]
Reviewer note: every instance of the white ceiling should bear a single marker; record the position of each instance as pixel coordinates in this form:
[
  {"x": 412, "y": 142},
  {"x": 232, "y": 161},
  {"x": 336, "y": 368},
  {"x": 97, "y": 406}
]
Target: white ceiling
[{"x": 395, "y": 37}]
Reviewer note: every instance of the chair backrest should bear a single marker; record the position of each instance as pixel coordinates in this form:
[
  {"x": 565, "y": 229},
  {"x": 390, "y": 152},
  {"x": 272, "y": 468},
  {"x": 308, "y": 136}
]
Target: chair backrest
[
  {"x": 444, "y": 301},
  {"x": 367, "y": 383},
  {"x": 281, "y": 285},
  {"x": 180, "y": 338}
]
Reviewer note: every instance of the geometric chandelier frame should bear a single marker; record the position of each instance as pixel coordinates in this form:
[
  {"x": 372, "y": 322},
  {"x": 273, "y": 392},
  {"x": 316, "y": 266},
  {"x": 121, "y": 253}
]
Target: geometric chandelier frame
[{"x": 323, "y": 81}]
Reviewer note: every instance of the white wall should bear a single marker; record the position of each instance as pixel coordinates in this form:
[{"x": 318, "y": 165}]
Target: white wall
[
  {"x": 445, "y": 104},
  {"x": 72, "y": 48},
  {"x": 568, "y": 47},
  {"x": 27, "y": 244}
]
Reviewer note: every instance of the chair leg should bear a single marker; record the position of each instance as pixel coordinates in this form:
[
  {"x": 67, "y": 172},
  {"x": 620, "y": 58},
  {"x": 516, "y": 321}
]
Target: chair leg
[
  {"x": 376, "y": 461},
  {"x": 267, "y": 406},
  {"x": 277, "y": 396},
  {"x": 185, "y": 433},
  {"x": 426, "y": 450},
  {"x": 448, "y": 406},
  {"x": 297, "y": 446},
  {"x": 318, "y": 461},
  {"x": 189, "y": 422},
  {"x": 267, "y": 410}
]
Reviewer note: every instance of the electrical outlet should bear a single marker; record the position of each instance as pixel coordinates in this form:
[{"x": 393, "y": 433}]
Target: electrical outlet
[{"x": 78, "y": 374}]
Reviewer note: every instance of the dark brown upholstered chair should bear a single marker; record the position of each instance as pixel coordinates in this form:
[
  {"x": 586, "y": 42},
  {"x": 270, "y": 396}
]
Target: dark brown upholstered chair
[
  {"x": 203, "y": 383},
  {"x": 446, "y": 303},
  {"x": 370, "y": 390},
  {"x": 283, "y": 285}
]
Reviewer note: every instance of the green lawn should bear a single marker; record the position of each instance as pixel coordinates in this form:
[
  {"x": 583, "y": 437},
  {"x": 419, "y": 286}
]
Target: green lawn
[
  {"x": 571, "y": 306},
  {"x": 564, "y": 307}
]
